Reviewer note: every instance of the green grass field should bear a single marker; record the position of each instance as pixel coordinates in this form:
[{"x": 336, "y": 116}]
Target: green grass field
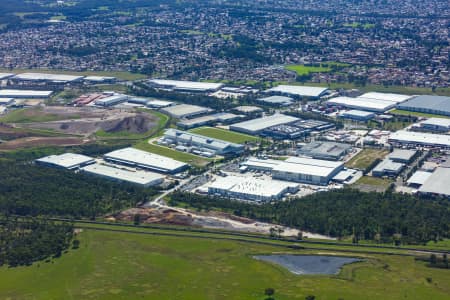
[
  {"x": 305, "y": 70},
  {"x": 223, "y": 134},
  {"x": 177, "y": 155},
  {"x": 416, "y": 114},
  {"x": 111, "y": 265},
  {"x": 375, "y": 181},
  {"x": 365, "y": 158},
  {"x": 118, "y": 74},
  {"x": 31, "y": 115}
]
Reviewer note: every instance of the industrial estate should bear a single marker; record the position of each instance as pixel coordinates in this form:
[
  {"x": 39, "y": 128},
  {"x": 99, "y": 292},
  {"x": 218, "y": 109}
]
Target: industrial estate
[{"x": 224, "y": 150}]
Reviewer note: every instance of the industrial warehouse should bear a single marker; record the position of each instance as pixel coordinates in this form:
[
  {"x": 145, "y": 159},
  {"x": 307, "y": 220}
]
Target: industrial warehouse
[
  {"x": 256, "y": 126},
  {"x": 69, "y": 161},
  {"x": 325, "y": 150},
  {"x": 28, "y": 94},
  {"x": 198, "y": 144},
  {"x": 419, "y": 139},
  {"x": 137, "y": 177},
  {"x": 298, "y": 91},
  {"x": 297, "y": 169},
  {"x": 186, "y": 111},
  {"x": 146, "y": 160},
  {"x": 250, "y": 188},
  {"x": 439, "y": 105},
  {"x": 188, "y": 86}
]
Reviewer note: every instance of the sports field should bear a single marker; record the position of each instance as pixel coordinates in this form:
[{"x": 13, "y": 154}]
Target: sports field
[
  {"x": 223, "y": 134},
  {"x": 113, "y": 265},
  {"x": 365, "y": 158}
]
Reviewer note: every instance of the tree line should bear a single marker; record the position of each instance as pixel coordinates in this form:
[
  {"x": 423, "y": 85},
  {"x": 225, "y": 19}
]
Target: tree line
[
  {"x": 24, "y": 241},
  {"x": 381, "y": 217}
]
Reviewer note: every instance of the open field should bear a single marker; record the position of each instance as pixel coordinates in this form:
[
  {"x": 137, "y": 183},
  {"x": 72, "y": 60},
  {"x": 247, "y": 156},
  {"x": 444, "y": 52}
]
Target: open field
[
  {"x": 365, "y": 158},
  {"x": 85, "y": 121},
  {"x": 31, "y": 142},
  {"x": 416, "y": 114},
  {"x": 113, "y": 265},
  {"x": 177, "y": 155},
  {"x": 226, "y": 135},
  {"x": 372, "y": 184},
  {"x": 305, "y": 70},
  {"x": 118, "y": 74}
]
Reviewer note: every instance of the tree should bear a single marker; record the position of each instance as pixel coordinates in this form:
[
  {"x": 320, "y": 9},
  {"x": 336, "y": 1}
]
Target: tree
[
  {"x": 310, "y": 297},
  {"x": 75, "y": 244},
  {"x": 269, "y": 292},
  {"x": 433, "y": 259},
  {"x": 137, "y": 219}
]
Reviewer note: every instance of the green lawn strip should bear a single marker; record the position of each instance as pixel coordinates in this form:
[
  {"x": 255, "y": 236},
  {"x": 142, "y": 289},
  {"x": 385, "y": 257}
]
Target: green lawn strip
[
  {"x": 112, "y": 265},
  {"x": 224, "y": 134},
  {"x": 118, "y": 74},
  {"x": 416, "y": 114},
  {"x": 365, "y": 158},
  {"x": 177, "y": 155},
  {"x": 374, "y": 181}
]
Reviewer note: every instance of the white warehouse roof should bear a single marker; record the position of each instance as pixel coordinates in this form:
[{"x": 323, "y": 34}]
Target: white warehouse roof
[
  {"x": 66, "y": 160},
  {"x": 137, "y": 177},
  {"x": 437, "y": 183},
  {"x": 186, "y": 110},
  {"x": 5, "y": 75},
  {"x": 430, "y": 139},
  {"x": 363, "y": 103},
  {"x": 397, "y": 98},
  {"x": 419, "y": 177},
  {"x": 48, "y": 77},
  {"x": 135, "y": 157},
  {"x": 24, "y": 94},
  {"x": 187, "y": 85},
  {"x": 298, "y": 90},
  {"x": 265, "y": 188},
  {"x": 257, "y": 125},
  {"x": 311, "y": 166}
]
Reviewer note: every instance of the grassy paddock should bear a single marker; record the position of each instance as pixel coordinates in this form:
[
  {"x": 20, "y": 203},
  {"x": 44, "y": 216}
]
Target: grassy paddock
[
  {"x": 366, "y": 157},
  {"x": 177, "y": 155},
  {"x": 223, "y": 134},
  {"x": 111, "y": 265}
]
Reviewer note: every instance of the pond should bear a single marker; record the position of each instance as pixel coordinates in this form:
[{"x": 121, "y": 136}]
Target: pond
[{"x": 309, "y": 264}]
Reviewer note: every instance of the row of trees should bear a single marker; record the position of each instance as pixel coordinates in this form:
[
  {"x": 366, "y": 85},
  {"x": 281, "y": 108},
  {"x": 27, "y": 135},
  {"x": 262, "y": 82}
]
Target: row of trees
[
  {"x": 24, "y": 241},
  {"x": 382, "y": 217}
]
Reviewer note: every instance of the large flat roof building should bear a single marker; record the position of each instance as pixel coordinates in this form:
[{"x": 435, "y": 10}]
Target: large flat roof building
[
  {"x": 438, "y": 105},
  {"x": 437, "y": 183},
  {"x": 249, "y": 188},
  {"x": 216, "y": 146},
  {"x": 396, "y": 98},
  {"x": 359, "y": 103},
  {"x": 5, "y": 75},
  {"x": 186, "y": 110},
  {"x": 358, "y": 115},
  {"x": 256, "y": 126},
  {"x": 419, "y": 139},
  {"x": 138, "y": 177},
  {"x": 69, "y": 161},
  {"x": 433, "y": 125},
  {"x": 189, "y": 86},
  {"x": 276, "y": 100},
  {"x": 111, "y": 100},
  {"x": 325, "y": 150},
  {"x": 298, "y": 90},
  {"x": 55, "y": 78},
  {"x": 307, "y": 170},
  {"x": 387, "y": 167},
  {"x": 297, "y": 169},
  {"x": 402, "y": 155},
  {"x": 12, "y": 93},
  {"x": 146, "y": 160}
]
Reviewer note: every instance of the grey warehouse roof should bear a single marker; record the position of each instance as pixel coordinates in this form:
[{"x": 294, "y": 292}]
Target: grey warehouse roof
[
  {"x": 419, "y": 177},
  {"x": 200, "y": 139},
  {"x": 145, "y": 159},
  {"x": 66, "y": 160},
  {"x": 137, "y": 177},
  {"x": 437, "y": 183},
  {"x": 298, "y": 90},
  {"x": 257, "y": 125},
  {"x": 182, "y": 110},
  {"x": 281, "y": 100},
  {"x": 437, "y": 104},
  {"x": 402, "y": 154}
]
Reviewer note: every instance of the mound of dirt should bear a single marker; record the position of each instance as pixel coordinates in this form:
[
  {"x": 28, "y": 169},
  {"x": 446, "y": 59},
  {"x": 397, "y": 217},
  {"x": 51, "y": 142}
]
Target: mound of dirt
[{"x": 136, "y": 124}]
